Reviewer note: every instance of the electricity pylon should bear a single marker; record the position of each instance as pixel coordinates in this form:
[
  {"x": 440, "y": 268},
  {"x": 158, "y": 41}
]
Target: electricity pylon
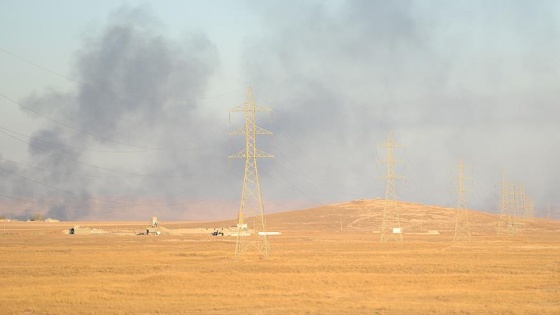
[
  {"x": 521, "y": 199},
  {"x": 251, "y": 224},
  {"x": 507, "y": 224},
  {"x": 517, "y": 198},
  {"x": 531, "y": 207},
  {"x": 462, "y": 224},
  {"x": 391, "y": 224}
]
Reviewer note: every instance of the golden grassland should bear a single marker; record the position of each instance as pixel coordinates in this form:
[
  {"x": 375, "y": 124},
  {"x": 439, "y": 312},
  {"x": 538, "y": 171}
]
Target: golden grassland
[{"x": 316, "y": 267}]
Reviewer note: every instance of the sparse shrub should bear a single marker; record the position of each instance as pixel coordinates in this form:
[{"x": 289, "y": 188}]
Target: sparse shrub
[{"x": 38, "y": 217}]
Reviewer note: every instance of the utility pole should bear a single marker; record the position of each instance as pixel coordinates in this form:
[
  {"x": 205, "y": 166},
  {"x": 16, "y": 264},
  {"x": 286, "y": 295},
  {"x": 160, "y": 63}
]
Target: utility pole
[
  {"x": 251, "y": 225},
  {"x": 507, "y": 224},
  {"x": 462, "y": 224},
  {"x": 391, "y": 225}
]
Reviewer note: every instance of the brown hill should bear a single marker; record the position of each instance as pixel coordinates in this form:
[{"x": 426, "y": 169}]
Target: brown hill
[{"x": 366, "y": 216}]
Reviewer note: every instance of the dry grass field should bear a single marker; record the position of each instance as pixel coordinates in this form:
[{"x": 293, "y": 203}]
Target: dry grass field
[{"x": 327, "y": 261}]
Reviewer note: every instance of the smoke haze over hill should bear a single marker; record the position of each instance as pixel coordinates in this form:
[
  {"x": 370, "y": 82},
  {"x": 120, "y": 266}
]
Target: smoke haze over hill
[{"x": 142, "y": 129}]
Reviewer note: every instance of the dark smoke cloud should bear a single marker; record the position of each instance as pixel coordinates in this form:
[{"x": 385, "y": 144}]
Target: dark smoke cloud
[
  {"x": 452, "y": 80},
  {"x": 136, "y": 91}
]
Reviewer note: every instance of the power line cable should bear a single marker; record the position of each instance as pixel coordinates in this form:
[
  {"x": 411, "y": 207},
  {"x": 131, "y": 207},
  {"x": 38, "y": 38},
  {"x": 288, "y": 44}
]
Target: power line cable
[
  {"x": 76, "y": 129},
  {"x": 5, "y": 130},
  {"x": 20, "y": 199},
  {"x": 294, "y": 187},
  {"x": 60, "y": 172},
  {"x": 317, "y": 163},
  {"x": 90, "y": 85},
  {"x": 425, "y": 184},
  {"x": 84, "y": 163},
  {"x": 89, "y": 134},
  {"x": 281, "y": 205},
  {"x": 299, "y": 170},
  {"x": 90, "y": 198},
  {"x": 98, "y": 150}
]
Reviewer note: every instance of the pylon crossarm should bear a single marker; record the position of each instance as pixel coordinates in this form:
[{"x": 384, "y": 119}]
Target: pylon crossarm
[
  {"x": 237, "y": 132},
  {"x": 262, "y": 131},
  {"x": 244, "y": 108},
  {"x": 262, "y": 154},
  {"x": 258, "y": 131},
  {"x": 239, "y": 155}
]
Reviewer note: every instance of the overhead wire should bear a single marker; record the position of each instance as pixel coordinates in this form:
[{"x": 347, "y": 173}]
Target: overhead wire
[
  {"x": 78, "y": 161},
  {"x": 281, "y": 205},
  {"x": 74, "y": 128},
  {"x": 299, "y": 170},
  {"x": 7, "y": 130},
  {"x": 88, "y": 133},
  {"x": 315, "y": 162},
  {"x": 20, "y": 199},
  {"x": 91, "y": 85},
  {"x": 60, "y": 172},
  {"x": 283, "y": 179},
  {"x": 475, "y": 201},
  {"x": 84, "y": 132},
  {"x": 81, "y": 162},
  {"x": 425, "y": 184},
  {"x": 73, "y": 194},
  {"x": 101, "y": 150},
  {"x": 294, "y": 187}
]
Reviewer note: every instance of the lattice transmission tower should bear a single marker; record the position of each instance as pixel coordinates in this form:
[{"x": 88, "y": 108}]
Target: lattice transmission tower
[
  {"x": 528, "y": 205},
  {"x": 391, "y": 224},
  {"x": 462, "y": 224},
  {"x": 508, "y": 213},
  {"x": 251, "y": 225},
  {"x": 521, "y": 201},
  {"x": 530, "y": 202},
  {"x": 517, "y": 196}
]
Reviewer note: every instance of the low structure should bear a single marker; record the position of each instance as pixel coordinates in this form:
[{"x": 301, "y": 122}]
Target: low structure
[
  {"x": 80, "y": 230},
  {"x": 154, "y": 227},
  {"x": 269, "y": 233}
]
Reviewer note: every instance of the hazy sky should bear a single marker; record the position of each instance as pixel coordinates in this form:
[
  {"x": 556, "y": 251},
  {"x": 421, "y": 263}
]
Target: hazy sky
[{"x": 121, "y": 110}]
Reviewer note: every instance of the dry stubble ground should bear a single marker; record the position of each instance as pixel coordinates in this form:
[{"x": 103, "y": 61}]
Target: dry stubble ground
[{"x": 43, "y": 271}]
